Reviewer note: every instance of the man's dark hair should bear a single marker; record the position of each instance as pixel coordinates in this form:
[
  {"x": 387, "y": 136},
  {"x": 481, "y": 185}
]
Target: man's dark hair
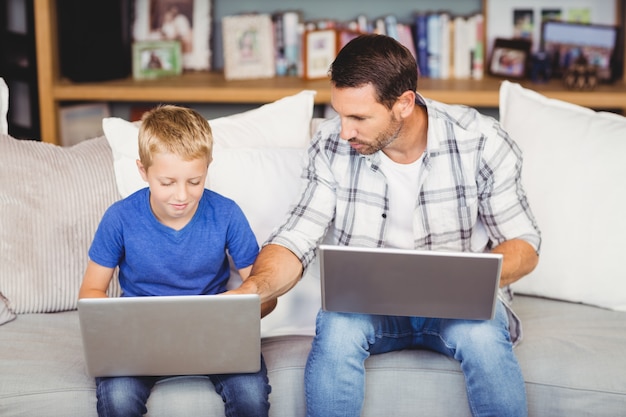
[{"x": 378, "y": 60}]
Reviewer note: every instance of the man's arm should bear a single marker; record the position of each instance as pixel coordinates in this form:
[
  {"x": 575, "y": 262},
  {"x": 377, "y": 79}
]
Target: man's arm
[
  {"x": 519, "y": 259},
  {"x": 266, "y": 307},
  {"x": 275, "y": 271}
]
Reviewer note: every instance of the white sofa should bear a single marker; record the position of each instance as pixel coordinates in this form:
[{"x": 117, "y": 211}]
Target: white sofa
[{"x": 573, "y": 307}]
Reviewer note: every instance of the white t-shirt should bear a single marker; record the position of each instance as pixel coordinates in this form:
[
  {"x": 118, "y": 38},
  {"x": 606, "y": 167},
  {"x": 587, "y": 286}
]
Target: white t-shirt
[{"x": 403, "y": 183}]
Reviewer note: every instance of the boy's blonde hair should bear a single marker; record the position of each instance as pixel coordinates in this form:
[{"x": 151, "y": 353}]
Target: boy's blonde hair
[{"x": 177, "y": 130}]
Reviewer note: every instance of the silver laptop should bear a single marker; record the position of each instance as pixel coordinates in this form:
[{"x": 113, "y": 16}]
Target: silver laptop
[
  {"x": 400, "y": 282},
  {"x": 173, "y": 335}
]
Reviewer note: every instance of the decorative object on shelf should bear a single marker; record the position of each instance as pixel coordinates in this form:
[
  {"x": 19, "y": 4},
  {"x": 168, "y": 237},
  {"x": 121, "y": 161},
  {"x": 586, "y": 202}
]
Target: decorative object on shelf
[
  {"x": 186, "y": 21},
  {"x": 248, "y": 46},
  {"x": 566, "y": 42},
  {"x": 156, "y": 59},
  {"x": 581, "y": 75},
  {"x": 320, "y": 49},
  {"x": 523, "y": 18},
  {"x": 509, "y": 58},
  {"x": 81, "y": 121},
  {"x": 540, "y": 67}
]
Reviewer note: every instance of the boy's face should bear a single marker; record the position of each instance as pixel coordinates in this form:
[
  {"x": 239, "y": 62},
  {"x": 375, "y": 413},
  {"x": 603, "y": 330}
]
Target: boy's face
[{"x": 176, "y": 187}]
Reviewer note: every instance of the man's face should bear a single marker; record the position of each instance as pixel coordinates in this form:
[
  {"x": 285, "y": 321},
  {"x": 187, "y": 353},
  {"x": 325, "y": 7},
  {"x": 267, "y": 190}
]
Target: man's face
[{"x": 366, "y": 124}]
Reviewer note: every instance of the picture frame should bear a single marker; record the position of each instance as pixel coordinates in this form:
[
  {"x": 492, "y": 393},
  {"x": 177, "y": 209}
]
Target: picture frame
[
  {"x": 525, "y": 17},
  {"x": 186, "y": 21},
  {"x": 564, "y": 42},
  {"x": 509, "y": 58},
  {"x": 248, "y": 44},
  {"x": 319, "y": 51},
  {"x": 156, "y": 59}
]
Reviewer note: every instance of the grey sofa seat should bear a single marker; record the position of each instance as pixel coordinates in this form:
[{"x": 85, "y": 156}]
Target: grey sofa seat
[{"x": 571, "y": 358}]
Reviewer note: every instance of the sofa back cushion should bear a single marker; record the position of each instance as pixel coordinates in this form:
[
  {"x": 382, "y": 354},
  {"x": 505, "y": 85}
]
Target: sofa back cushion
[
  {"x": 51, "y": 200},
  {"x": 574, "y": 175}
]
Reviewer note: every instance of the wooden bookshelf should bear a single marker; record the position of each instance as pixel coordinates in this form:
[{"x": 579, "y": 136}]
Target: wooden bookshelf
[{"x": 211, "y": 87}]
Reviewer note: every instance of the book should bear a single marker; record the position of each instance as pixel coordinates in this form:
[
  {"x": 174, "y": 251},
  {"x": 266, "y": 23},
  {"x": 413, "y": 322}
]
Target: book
[
  {"x": 405, "y": 37},
  {"x": 433, "y": 28},
  {"x": 292, "y": 42},
  {"x": 462, "y": 48},
  {"x": 279, "y": 44},
  {"x": 421, "y": 43},
  {"x": 478, "y": 56},
  {"x": 391, "y": 26},
  {"x": 444, "y": 45}
]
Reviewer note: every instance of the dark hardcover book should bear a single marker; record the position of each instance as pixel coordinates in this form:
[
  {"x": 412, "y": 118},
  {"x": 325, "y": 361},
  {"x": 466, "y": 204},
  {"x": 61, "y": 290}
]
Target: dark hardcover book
[{"x": 421, "y": 41}]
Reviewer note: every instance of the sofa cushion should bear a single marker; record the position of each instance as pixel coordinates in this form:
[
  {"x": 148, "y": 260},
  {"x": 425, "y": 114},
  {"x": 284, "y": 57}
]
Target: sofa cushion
[
  {"x": 573, "y": 172},
  {"x": 51, "y": 200},
  {"x": 571, "y": 359},
  {"x": 284, "y": 123},
  {"x": 6, "y": 312}
]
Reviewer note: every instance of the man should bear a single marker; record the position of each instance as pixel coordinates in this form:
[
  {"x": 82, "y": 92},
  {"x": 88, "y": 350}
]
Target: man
[{"x": 397, "y": 170}]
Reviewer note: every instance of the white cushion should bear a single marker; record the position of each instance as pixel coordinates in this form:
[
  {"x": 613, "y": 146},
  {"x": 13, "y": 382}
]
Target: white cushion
[
  {"x": 574, "y": 174},
  {"x": 283, "y": 123},
  {"x": 4, "y": 106}
]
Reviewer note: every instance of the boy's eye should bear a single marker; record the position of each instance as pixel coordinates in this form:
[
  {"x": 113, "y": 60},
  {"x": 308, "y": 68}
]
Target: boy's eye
[{"x": 166, "y": 184}]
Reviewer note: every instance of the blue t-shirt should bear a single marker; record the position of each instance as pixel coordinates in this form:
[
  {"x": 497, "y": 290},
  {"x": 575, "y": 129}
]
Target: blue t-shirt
[{"x": 154, "y": 259}]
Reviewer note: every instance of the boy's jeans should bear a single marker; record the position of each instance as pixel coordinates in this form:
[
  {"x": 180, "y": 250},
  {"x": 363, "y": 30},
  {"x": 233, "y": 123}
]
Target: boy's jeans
[
  {"x": 243, "y": 394},
  {"x": 335, "y": 373}
]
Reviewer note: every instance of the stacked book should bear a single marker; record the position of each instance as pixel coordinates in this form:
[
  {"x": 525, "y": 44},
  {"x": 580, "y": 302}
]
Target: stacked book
[{"x": 283, "y": 43}]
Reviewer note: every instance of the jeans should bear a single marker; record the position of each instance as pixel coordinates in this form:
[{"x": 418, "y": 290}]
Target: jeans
[
  {"x": 243, "y": 394},
  {"x": 335, "y": 372}
]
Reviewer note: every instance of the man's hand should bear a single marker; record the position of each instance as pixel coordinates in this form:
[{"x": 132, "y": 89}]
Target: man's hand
[{"x": 268, "y": 307}]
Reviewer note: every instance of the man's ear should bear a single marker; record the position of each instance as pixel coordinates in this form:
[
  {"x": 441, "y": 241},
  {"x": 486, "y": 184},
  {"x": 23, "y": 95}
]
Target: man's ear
[
  {"x": 406, "y": 103},
  {"x": 142, "y": 170}
]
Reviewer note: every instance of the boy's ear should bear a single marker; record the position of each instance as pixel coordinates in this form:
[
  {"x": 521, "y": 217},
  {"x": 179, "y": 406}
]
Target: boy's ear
[{"x": 142, "y": 170}]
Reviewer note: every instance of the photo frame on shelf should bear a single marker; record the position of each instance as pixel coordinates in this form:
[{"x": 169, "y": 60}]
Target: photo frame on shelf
[
  {"x": 185, "y": 21},
  {"x": 515, "y": 19},
  {"x": 320, "y": 49},
  {"x": 509, "y": 58},
  {"x": 156, "y": 59},
  {"x": 248, "y": 43},
  {"x": 565, "y": 42}
]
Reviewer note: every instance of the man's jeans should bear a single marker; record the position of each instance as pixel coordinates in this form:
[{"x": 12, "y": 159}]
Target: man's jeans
[
  {"x": 335, "y": 373},
  {"x": 243, "y": 394}
]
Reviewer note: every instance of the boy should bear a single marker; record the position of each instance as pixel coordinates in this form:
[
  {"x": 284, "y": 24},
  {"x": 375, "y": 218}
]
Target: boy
[{"x": 171, "y": 238}]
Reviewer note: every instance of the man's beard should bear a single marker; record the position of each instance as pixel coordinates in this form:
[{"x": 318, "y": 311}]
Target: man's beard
[{"x": 383, "y": 139}]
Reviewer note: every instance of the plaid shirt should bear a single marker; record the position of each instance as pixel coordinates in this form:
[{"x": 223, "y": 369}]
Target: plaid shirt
[{"x": 470, "y": 196}]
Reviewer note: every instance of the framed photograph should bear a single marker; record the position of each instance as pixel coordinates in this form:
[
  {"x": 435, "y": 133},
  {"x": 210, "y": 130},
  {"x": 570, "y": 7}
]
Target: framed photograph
[
  {"x": 522, "y": 19},
  {"x": 248, "y": 46},
  {"x": 185, "y": 21},
  {"x": 320, "y": 49},
  {"x": 566, "y": 42},
  {"x": 156, "y": 59},
  {"x": 509, "y": 58}
]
